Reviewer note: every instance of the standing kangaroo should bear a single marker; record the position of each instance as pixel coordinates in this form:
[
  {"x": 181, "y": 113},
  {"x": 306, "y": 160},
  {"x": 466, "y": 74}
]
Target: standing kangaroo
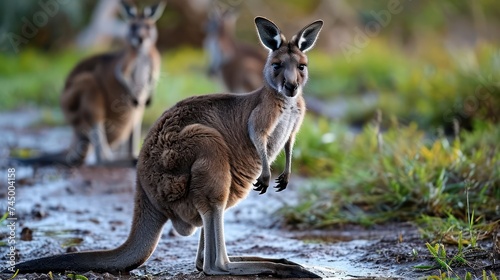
[
  {"x": 201, "y": 157},
  {"x": 239, "y": 66},
  {"x": 104, "y": 96}
]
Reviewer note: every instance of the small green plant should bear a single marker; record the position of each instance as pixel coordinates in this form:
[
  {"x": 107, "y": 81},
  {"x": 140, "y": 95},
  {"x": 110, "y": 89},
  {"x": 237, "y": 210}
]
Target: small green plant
[
  {"x": 467, "y": 276},
  {"x": 4, "y": 217},
  {"x": 442, "y": 259},
  {"x": 465, "y": 256},
  {"x": 76, "y": 276},
  {"x": 15, "y": 274},
  {"x": 470, "y": 221}
]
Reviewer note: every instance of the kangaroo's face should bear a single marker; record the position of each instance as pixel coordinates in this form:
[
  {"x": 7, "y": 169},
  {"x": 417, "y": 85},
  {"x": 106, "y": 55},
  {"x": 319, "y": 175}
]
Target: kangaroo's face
[
  {"x": 217, "y": 43},
  {"x": 286, "y": 70},
  {"x": 286, "y": 66},
  {"x": 142, "y": 32}
]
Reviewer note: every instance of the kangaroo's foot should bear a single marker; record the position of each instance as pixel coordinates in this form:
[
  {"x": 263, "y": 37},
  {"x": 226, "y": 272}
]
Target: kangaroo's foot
[
  {"x": 278, "y": 269},
  {"x": 260, "y": 259},
  {"x": 199, "y": 262}
]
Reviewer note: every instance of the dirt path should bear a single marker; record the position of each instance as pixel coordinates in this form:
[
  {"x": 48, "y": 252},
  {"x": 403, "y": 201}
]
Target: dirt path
[{"x": 91, "y": 208}]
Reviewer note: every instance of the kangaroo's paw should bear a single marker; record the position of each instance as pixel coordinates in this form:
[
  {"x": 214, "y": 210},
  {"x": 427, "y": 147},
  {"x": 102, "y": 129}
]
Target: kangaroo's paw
[
  {"x": 282, "y": 182},
  {"x": 261, "y": 186}
]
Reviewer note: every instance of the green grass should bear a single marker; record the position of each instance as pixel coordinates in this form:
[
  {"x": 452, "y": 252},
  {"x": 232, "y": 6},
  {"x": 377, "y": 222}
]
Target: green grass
[
  {"x": 468, "y": 276},
  {"x": 400, "y": 174},
  {"x": 33, "y": 79}
]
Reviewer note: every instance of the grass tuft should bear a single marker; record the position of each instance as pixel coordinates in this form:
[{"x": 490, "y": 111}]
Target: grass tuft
[{"x": 413, "y": 174}]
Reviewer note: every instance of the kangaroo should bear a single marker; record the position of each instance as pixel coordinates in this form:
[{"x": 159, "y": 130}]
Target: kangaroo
[
  {"x": 104, "y": 96},
  {"x": 239, "y": 66},
  {"x": 201, "y": 157}
]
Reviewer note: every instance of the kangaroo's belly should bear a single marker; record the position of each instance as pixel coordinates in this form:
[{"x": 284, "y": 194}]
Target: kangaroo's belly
[{"x": 120, "y": 126}]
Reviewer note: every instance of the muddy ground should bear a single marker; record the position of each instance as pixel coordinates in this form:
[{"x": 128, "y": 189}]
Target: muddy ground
[{"x": 91, "y": 208}]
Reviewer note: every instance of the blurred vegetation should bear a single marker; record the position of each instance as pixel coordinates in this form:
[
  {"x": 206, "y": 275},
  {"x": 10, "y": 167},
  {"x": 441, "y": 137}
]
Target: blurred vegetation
[
  {"x": 462, "y": 85},
  {"x": 433, "y": 72}
]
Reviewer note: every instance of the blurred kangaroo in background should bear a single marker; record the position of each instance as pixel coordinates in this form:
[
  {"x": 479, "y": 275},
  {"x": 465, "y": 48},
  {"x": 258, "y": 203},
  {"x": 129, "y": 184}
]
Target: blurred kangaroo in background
[
  {"x": 201, "y": 157},
  {"x": 238, "y": 65},
  {"x": 104, "y": 96}
]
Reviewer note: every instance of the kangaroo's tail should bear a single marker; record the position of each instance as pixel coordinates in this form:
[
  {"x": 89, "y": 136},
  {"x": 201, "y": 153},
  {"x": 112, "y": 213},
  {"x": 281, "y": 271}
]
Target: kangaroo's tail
[
  {"x": 146, "y": 230},
  {"x": 74, "y": 156}
]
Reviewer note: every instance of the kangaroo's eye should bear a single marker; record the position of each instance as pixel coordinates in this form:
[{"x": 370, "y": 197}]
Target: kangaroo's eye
[
  {"x": 302, "y": 67},
  {"x": 276, "y": 66}
]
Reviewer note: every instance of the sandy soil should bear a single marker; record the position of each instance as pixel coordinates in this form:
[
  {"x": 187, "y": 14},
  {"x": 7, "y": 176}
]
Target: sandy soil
[{"x": 91, "y": 208}]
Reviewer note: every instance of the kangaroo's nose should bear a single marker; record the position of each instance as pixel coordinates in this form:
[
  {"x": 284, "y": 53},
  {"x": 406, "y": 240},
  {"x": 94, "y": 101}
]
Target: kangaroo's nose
[{"x": 290, "y": 84}]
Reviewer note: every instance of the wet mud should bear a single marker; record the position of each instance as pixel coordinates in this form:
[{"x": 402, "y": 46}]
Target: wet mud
[{"x": 65, "y": 210}]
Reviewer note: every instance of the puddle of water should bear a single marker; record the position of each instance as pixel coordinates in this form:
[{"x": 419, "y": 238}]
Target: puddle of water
[{"x": 19, "y": 119}]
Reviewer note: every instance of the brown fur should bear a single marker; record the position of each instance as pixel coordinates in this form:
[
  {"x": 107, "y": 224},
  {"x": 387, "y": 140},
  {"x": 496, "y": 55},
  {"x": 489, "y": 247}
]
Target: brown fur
[
  {"x": 201, "y": 157},
  {"x": 93, "y": 95},
  {"x": 238, "y": 65}
]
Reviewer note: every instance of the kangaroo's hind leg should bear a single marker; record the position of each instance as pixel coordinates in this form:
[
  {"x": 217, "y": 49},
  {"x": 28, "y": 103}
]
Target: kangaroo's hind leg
[
  {"x": 209, "y": 192},
  {"x": 100, "y": 143},
  {"x": 219, "y": 262},
  {"x": 83, "y": 105},
  {"x": 78, "y": 149},
  {"x": 133, "y": 141},
  {"x": 201, "y": 252}
]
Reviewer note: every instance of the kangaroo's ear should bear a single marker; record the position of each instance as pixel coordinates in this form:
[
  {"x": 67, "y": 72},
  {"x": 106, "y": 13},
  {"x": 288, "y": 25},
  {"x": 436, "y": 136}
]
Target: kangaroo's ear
[
  {"x": 269, "y": 33},
  {"x": 306, "y": 37},
  {"x": 154, "y": 12},
  {"x": 128, "y": 11}
]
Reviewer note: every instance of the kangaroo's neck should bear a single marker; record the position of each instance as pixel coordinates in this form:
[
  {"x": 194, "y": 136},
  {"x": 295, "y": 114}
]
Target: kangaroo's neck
[{"x": 134, "y": 58}]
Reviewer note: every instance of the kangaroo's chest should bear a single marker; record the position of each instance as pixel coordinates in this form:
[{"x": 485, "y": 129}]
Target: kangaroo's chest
[
  {"x": 142, "y": 72},
  {"x": 140, "y": 77},
  {"x": 285, "y": 124}
]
